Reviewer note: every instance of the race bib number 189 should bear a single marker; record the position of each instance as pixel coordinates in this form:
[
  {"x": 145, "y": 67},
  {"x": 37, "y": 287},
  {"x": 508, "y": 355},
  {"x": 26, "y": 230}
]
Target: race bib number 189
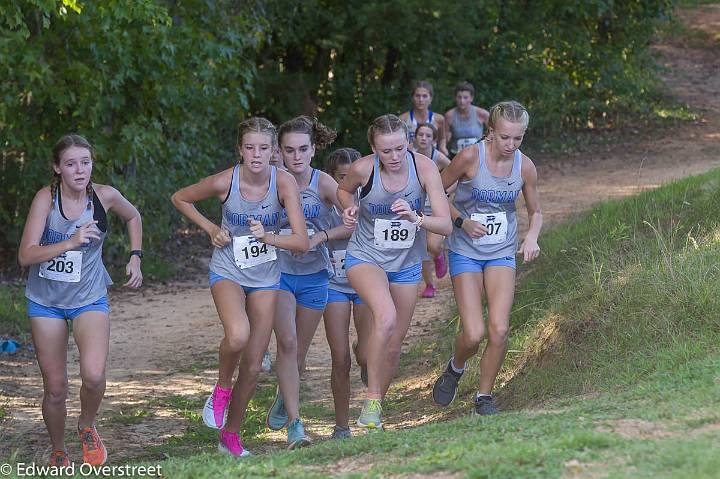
[
  {"x": 65, "y": 268},
  {"x": 394, "y": 234},
  {"x": 249, "y": 251},
  {"x": 496, "y": 225}
]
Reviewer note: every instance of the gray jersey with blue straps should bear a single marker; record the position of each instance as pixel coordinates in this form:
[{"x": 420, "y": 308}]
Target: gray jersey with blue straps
[
  {"x": 75, "y": 278},
  {"x": 490, "y": 200},
  {"x": 317, "y": 218},
  {"x": 465, "y": 132},
  {"x": 246, "y": 260},
  {"x": 338, "y": 249},
  {"x": 381, "y": 236}
]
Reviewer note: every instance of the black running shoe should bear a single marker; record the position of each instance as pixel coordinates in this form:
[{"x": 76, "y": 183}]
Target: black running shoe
[
  {"x": 445, "y": 387},
  {"x": 485, "y": 406}
]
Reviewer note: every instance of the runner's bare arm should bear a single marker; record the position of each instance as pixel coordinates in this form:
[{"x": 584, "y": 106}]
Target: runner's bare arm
[
  {"x": 448, "y": 121},
  {"x": 212, "y": 186},
  {"x": 529, "y": 248},
  {"x": 357, "y": 176},
  {"x": 290, "y": 198},
  {"x": 442, "y": 139},
  {"x": 439, "y": 222},
  {"x": 482, "y": 115},
  {"x": 30, "y": 252},
  {"x": 462, "y": 167},
  {"x": 113, "y": 200}
]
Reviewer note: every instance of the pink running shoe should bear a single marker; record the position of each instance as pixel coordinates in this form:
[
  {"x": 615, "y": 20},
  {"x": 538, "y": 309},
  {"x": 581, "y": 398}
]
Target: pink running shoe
[
  {"x": 216, "y": 407},
  {"x": 440, "y": 265},
  {"x": 231, "y": 444},
  {"x": 429, "y": 291}
]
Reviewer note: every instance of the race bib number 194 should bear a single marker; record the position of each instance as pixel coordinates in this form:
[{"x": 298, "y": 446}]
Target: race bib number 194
[
  {"x": 249, "y": 252},
  {"x": 65, "y": 268}
]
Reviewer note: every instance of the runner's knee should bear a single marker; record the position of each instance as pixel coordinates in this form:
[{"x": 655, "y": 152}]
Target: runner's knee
[
  {"x": 473, "y": 336},
  {"x": 341, "y": 363},
  {"x": 93, "y": 380},
  {"x": 56, "y": 392},
  {"x": 286, "y": 343},
  {"x": 385, "y": 323},
  {"x": 236, "y": 341},
  {"x": 498, "y": 334}
]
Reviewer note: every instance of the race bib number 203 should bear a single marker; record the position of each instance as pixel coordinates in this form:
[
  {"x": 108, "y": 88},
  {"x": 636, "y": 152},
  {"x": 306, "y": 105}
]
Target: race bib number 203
[{"x": 65, "y": 268}]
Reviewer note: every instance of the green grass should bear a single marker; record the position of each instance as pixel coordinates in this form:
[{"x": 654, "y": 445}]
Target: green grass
[
  {"x": 583, "y": 436},
  {"x": 130, "y": 415},
  {"x": 13, "y": 310},
  {"x": 616, "y": 363}
]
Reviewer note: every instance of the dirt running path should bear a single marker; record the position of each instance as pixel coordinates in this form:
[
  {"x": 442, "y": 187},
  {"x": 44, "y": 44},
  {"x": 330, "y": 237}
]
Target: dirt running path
[{"x": 164, "y": 338}]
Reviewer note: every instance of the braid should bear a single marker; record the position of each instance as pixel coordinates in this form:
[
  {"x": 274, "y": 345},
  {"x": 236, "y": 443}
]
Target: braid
[
  {"x": 54, "y": 182},
  {"x": 89, "y": 191}
]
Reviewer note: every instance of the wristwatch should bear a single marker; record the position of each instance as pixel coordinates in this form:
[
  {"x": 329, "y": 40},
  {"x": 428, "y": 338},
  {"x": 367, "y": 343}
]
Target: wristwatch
[
  {"x": 137, "y": 252},
  {"x": 458, "y": 222}
]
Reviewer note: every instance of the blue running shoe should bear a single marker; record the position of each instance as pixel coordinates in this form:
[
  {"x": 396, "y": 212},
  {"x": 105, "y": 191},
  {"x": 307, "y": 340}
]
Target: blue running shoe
[
  {"x": 296, "y": 435},
  {"x": 277, "y": 417}
]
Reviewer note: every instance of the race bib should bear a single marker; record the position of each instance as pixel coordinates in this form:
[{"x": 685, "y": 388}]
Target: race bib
[
  {"x": 339, "y": 257},
  {"x": 65, "y": 268},
  {"x": 496, "y": 224},
  {"x": 249, "y": 251},
  {"x": 394, "y": 234},
  {"x": 465, "y": 142},
  {"x": 288, "y": 231}
]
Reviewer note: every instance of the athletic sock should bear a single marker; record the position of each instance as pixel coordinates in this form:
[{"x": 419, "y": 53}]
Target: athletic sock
[
  {"x": 482, "y": 395},
  {"x": 453, "y": 370}
]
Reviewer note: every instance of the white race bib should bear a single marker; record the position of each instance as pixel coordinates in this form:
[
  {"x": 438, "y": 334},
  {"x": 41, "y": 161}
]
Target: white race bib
[
  {"x": 65, "y": 268},
  {"x": 465, "y": 142},
  {"x": 394, "y": 234},
  {"x": 249, "y": 251},
  {"x": 339, "y": 257},
  {"x": 496, "y": 225},
  {"x": 288, "y": 231}
]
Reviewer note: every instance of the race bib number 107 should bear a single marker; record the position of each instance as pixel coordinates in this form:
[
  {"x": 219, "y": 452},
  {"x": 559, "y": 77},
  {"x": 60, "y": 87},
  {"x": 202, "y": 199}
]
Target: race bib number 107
[
  {"x": 65, "y": 268},
  {"x": 496, "y": 225}
]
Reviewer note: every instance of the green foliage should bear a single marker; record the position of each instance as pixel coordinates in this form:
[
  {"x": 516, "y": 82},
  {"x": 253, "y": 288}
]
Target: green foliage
[
  {"x": 13, "y": 311},
  {"x": 157, "y": 87},
  {"x": 572, "y": 65}
]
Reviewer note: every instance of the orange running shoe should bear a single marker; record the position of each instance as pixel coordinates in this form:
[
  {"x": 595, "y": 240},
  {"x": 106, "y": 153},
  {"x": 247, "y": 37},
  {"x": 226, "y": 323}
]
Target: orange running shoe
[
  {"x": 94, "y": 451},
  {"x": 59, "y": 459}
]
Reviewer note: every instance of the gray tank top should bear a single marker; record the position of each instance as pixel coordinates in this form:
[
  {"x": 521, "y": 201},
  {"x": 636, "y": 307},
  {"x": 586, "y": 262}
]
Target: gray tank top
[
  {"x": 67, "y": 291},
  {"x": 236, "y": 215},
  {"x": 338, "y": 248},
  {"x": 376, "y": 205},
  {"x": 465, "y": 129},
  {"x": 317, "y": 218},
  {"x": 494, "y": 197}
]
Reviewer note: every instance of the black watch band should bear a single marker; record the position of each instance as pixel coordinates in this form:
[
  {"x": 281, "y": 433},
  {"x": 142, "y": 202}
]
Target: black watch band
[
  {"x": 137, "y": 252},
  {"x": 458, "y": 222}
]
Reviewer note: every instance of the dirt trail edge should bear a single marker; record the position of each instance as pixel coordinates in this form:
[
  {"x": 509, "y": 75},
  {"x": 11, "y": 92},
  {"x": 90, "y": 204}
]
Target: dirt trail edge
[{"x": 164, "y": 338}]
